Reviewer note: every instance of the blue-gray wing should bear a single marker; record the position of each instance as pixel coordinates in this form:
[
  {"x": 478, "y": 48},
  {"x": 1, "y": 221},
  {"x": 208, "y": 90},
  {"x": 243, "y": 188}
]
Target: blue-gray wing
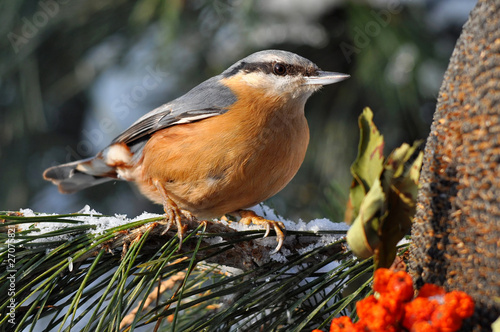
[{"x": 208, "y": 99}]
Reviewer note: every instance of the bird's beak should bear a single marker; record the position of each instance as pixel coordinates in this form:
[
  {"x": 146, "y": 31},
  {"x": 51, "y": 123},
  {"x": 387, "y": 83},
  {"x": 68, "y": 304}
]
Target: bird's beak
[{"x": 325, "y": 77}]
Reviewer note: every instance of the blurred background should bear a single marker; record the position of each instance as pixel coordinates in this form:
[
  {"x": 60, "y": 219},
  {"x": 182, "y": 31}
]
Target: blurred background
[{"x": 74, "y": 74}]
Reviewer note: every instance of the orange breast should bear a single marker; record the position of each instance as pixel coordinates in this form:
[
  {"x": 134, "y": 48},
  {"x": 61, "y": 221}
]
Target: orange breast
[{"x": 231, "y": 161}]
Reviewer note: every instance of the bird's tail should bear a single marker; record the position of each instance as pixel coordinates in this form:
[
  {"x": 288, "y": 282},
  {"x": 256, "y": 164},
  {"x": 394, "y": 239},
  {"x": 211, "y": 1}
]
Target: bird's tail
[{"x": 78, "y": 175}]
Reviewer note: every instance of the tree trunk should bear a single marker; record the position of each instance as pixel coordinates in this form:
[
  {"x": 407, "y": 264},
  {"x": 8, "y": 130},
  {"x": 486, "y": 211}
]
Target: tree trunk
[{"x": 456, "y": 232}]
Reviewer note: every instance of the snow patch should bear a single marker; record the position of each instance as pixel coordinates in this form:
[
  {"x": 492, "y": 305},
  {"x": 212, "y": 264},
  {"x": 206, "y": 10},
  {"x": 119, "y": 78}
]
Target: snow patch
[{"x": 102, "y": 223}]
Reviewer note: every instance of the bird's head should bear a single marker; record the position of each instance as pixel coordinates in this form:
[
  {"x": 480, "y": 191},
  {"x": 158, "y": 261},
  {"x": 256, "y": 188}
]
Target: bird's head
[{"x": 280, "y": 74}]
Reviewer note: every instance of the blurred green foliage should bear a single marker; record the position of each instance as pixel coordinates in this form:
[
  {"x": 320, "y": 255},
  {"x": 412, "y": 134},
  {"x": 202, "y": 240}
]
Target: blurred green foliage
[{"x": 54, "y": 54}]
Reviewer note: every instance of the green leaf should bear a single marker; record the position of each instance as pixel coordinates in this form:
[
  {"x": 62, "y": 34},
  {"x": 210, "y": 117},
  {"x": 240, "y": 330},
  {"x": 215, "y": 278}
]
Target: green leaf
[
  {"x": 402, "y": 182},
  {"x": 368, "y": 165},
  {"x": 383, "y": 194},
  {"x": 363, "y": 237}
]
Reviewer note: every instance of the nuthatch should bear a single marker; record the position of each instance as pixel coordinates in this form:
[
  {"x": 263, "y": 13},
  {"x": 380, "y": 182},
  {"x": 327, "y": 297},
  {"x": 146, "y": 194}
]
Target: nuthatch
[{"x": 230, "y": 143}]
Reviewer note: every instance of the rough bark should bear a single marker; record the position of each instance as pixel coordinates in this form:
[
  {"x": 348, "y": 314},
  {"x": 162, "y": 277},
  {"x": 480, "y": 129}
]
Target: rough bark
[{"x": 456, "y": 232}]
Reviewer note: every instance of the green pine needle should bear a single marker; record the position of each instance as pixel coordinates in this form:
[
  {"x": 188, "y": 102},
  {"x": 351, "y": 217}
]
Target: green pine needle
[{"x": 72, "y": 276}]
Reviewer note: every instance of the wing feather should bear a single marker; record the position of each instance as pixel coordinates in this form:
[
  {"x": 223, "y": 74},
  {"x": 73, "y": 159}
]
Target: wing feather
[{"x": 208, "y": 99}]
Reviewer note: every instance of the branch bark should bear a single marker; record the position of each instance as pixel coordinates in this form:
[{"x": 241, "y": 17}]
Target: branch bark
[{"x": 243, "y": 255}]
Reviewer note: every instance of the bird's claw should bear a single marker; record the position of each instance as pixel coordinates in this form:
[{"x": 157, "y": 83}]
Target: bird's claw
[
  {"x": 173, "y": 214},
  {"x": 250, "y": 217},
  {"x": 268, "y": 229}
]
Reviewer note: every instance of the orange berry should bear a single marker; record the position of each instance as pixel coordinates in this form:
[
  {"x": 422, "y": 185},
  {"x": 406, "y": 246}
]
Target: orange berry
[
  {"x": 364, "y": 307},
  {"x": 342, "y": 324},
  {"x": 393, "y": 307},
  {"x": 377, "y": 315},
  {"x": 420, "y": 309},
  {"x": 462, "y": 304},
  {"x": 381, "y": 279},
  {"x": 429, "y": 290},
  {"x": 400, "y": 286},
  {"x": 423, "y": 326},
  {"x": 445, "y": 318}
]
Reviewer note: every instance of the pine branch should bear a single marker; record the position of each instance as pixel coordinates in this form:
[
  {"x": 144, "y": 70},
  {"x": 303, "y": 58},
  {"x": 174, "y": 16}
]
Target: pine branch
[{"x": 86, "y": 276}]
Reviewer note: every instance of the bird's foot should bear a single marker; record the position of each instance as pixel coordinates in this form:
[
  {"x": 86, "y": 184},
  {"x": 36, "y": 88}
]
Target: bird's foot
[
  {"x": 249, "y": 217},
  {"x": 173, "y": 215}
]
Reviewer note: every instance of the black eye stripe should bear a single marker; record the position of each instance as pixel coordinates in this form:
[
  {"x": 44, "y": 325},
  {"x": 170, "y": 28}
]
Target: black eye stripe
[
  {"x": 265, "y": 61},
  {"x": 268, "y": 68},
  {"x": 264, "y": 67}
]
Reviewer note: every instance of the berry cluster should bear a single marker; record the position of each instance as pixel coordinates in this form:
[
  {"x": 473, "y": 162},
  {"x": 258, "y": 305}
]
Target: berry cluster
[{"x": 393, "y": 308}]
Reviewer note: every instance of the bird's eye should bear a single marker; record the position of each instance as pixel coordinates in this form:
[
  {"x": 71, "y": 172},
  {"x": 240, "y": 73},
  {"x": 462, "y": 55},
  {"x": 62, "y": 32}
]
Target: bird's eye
[{"x": 279, "y": 69}]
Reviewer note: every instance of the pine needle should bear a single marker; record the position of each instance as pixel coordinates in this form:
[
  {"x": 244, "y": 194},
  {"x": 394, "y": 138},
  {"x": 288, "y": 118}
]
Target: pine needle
[{"x": 73, "y": 277}]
